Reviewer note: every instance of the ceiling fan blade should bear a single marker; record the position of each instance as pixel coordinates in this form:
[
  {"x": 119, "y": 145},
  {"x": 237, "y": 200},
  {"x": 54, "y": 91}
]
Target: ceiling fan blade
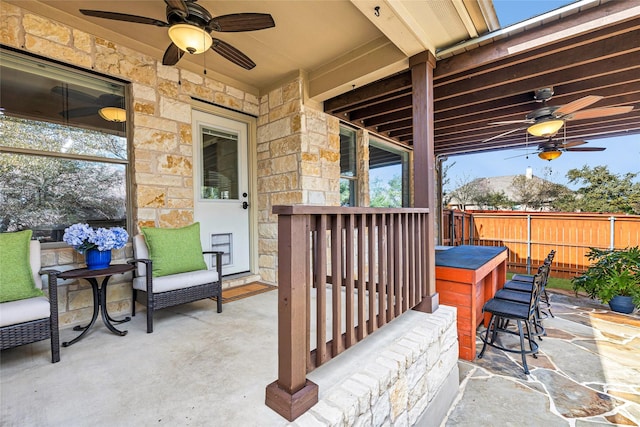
[
  {"x": 520, "y": 155},
  {"x": 123, "y": 17},
  {"x": 586, "y": 149},
  {"x": 576, "y": 105},
  {"x": 236, "y": 22},
  {"x": 110, "y": 100},
  {"x": 503, "y": 134},
  {"x": 572, "y": 144},
  {"x": 232, "y": 54},
  {"x": 179, "y": 7},
  {"x": 75, "y": 94},
  {"x": 172, "y": 55},
  {"x": 79, "y": 112},
  {"x": 511, "y": 122},
  {"x": 594, "y": 113}
]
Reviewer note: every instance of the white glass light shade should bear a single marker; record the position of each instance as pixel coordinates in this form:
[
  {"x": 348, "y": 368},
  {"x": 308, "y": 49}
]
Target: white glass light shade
[
  {"x": 190, "y": 38},
  {"x": 113, "y": 114},
  {"x": 545, "y": 128}
]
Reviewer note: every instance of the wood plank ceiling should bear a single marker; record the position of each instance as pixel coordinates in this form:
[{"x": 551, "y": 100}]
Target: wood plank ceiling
[{"x": 593, "y": 52}]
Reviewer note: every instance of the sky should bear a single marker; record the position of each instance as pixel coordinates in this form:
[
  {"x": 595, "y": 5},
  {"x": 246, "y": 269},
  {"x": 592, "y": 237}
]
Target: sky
[{"x": 622, "y": 154}]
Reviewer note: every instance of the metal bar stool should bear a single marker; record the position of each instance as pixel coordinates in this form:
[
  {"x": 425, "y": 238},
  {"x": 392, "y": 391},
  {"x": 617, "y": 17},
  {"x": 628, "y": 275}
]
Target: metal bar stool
[{"x": 504, "y": 311}]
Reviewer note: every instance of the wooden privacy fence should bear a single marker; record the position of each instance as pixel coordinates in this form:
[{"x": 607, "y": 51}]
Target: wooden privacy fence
[
  {"x": 343, "y": 273},
  {"x": 530, "y": 236}
]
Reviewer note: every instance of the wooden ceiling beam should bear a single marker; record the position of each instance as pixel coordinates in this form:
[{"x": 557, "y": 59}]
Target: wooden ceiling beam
[
  {"x": 499, "y": 49},
  {"x": 623, "y": 45},
  {"x": 553, "y": 77},
  {"x": 381, "y": 109},
  {"x": 364, "y": 94}
]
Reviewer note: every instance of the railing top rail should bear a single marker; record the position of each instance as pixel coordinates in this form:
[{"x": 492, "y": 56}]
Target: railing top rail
[{"x": 335, "y": 210}]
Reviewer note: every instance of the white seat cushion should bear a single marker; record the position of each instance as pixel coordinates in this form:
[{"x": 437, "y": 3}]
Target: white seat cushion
[
  {"x": 24, "y": 310},
  {"x": 177, "y": 281}
]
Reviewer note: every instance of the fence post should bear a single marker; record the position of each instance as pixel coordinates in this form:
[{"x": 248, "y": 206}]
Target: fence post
[
  {"x": 452, "y": 232},
  {"x": 462, "y": 231},
  {"x": 528, "y": 244},
  {"x": 612, "y": 235},
  {"x": 292, "y": 393}
]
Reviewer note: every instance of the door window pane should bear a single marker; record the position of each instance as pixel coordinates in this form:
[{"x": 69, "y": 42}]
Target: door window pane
[{"x": 219, "y": 165}]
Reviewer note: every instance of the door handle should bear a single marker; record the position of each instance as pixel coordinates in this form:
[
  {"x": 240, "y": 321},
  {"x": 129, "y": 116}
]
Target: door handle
[{"x": 245, "y": 205}]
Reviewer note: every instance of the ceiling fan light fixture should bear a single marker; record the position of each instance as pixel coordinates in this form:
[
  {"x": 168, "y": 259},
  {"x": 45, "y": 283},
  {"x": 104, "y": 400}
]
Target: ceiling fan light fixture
[
  {"x": 550, "y": 154},
  {"x": 545, "y": 128},
  {"x": 113, "y": 114},
  {"x": 190, "y": 38}
]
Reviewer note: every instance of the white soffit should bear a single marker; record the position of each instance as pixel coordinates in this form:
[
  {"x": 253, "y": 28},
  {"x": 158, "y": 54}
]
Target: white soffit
[{"x": 418, "y": 25}]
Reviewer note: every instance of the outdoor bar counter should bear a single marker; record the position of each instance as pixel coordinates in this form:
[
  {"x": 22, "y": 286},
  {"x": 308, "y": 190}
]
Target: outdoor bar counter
[{"x": 467, "y": 277}]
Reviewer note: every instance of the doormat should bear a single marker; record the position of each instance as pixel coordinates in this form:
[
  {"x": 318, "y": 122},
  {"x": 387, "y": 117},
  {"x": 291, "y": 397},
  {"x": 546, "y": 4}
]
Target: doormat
[{"x": 244, "y": 291}]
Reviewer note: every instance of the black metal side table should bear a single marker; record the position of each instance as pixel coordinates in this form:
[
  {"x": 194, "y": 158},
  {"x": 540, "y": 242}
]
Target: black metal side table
[{"x": 99, "y": 296}]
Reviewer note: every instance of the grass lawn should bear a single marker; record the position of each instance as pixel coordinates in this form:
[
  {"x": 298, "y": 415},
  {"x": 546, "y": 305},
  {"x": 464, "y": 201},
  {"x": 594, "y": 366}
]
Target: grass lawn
[{"x": 554, "y": 283}]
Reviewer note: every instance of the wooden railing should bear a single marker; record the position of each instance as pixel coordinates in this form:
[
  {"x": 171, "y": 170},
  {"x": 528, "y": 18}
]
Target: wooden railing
[
  {"x": 531, "y": 235},
  {"x": 342, "y": 274}
]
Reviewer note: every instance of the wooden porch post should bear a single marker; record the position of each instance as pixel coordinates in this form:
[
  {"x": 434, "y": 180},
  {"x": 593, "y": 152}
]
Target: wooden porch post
[
  {"x": 422, "y": 66},
  {"x": 292, "y": 394}
]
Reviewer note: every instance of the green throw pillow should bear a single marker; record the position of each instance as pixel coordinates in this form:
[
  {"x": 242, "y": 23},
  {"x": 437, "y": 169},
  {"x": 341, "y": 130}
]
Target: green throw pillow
[
  {"x": 174, "y": 250},
  {"x": 16, "y": 278}
]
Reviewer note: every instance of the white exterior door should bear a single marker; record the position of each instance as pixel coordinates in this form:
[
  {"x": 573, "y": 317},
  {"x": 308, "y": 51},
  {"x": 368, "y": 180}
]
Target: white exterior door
[{"x": 221, "y": 186}]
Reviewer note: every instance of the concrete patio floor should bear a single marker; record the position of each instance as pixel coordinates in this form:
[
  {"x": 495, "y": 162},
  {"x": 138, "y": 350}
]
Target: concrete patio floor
[{"x": 200, "y": 368}]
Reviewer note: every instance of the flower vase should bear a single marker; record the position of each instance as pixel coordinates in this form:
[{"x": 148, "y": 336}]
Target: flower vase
[{"x": 97, "y": 260}]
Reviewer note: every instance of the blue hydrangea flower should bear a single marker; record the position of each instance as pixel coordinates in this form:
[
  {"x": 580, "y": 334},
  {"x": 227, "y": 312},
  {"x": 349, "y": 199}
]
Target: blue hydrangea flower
[{"x": 83, "y": 237}]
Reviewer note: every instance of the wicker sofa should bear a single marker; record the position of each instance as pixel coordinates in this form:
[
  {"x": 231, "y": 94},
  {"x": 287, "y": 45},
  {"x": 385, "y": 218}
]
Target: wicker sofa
[
  {"x": 33, "y": 319},
  {"x": 160, "y": 292}
]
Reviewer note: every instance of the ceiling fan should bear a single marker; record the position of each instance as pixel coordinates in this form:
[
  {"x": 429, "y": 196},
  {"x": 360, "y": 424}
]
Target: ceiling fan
[
  {"x": 553, "y": 148},
  {"x": 109, "y": 106},
  {"x": 189, "y": 26},
  {"x": 547, "y": 120}
]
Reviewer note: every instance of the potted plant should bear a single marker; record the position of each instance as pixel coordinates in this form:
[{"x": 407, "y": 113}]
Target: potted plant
[{"x": 613, "y": 277}]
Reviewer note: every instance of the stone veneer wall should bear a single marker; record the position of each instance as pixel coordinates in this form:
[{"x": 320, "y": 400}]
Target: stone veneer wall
[
  {"x": 298, "y": 155},
  {"x": 410, "y": 378},
  {"x": 298, "y": 148}
]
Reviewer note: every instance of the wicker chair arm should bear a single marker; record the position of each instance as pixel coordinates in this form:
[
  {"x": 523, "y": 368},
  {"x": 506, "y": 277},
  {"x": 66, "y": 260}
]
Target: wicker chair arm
[
  {"x": 218, "y": 255},
  {"x": 52, "y": 276}
]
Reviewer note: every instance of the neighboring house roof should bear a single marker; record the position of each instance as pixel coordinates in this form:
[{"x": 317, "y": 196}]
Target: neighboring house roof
[{"x": 498, "y": 184}]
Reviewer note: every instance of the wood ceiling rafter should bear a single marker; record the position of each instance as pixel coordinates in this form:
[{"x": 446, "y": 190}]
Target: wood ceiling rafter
[{"x": 488, "y": 84}]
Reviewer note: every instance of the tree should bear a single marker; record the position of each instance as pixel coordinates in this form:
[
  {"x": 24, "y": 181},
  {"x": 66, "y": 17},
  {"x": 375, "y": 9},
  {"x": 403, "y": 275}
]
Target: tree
[
  {"x": 469, "y": 191},
  {"x": 603, "y": 191},
  {"x": 527, "y": 192},
  {"x": 43, "y": 192},
  {"x": 386, "y": 194},
  {"x": 494, "y": 200}
]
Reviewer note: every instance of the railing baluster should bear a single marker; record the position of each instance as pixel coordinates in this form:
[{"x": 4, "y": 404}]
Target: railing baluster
[
  {"x": 398, "y": 258},
  {"x": 373, "y": 274},
  {"x": 411, "y": 240},
  {"x": 350, "y": 230},
  {"x": 336, "y": 279},
  {"x": 382, "y": 270},
  {"x": 362, "y": 320},
  {"x": 321, "y": 291}
]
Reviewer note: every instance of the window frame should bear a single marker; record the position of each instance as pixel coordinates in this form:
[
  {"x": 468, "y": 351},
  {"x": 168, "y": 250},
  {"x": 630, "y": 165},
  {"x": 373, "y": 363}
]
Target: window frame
[
  {"x": 405, "y": 163},
  {"x": 127, "y": 163},
  {"x": 352, "y": 179}
]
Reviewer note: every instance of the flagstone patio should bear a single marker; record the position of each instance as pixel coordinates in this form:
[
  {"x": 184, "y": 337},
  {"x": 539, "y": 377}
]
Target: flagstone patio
[{"x": 587, "y": 374}]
